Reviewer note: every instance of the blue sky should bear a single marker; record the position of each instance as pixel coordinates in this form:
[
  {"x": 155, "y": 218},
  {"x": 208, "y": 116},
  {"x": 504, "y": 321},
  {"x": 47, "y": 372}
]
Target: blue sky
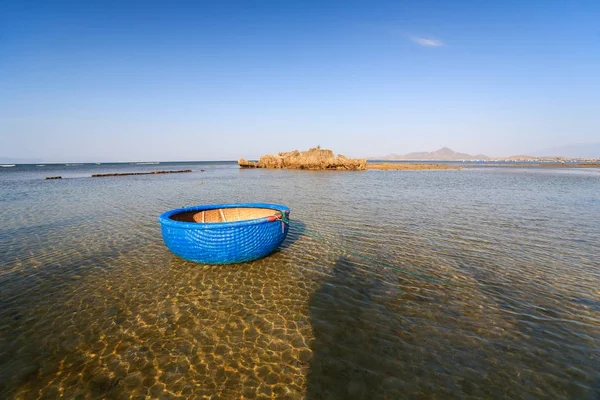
[{"x": 208, "y": 80}]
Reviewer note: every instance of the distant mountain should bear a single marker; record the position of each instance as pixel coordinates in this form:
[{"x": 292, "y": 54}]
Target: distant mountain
[{"x": 443, "y": 154}]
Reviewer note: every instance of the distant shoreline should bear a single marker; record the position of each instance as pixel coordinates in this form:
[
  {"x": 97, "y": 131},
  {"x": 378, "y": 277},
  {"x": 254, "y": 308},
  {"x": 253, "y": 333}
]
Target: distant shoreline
[
  {"x": 411, "y": 167},
  {"x": 573, "y": 162},
  {"x": 556, "y": 165},
  {"x": 402, "y": 165},
  {"x": 446, "y": 154}
]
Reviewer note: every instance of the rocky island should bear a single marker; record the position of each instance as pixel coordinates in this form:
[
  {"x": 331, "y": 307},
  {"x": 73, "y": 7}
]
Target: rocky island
[
  {"x": 323, "y": 159},
  {"x": 313, "y": 159}
]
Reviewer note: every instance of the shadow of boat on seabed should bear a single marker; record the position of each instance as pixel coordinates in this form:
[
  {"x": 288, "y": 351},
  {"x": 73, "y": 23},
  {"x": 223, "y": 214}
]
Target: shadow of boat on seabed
[
  {"x": 375, "y": 341},
  {"x": 355, "y": 353}
]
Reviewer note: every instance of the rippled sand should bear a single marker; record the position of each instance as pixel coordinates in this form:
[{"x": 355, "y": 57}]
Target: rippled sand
[{"x": 388, "y": 286}]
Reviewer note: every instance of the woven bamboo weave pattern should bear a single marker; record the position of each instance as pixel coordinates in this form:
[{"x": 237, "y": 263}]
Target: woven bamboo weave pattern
[
  {"x": 230, "y": 233},
  {"x": 233, "y": 214}
]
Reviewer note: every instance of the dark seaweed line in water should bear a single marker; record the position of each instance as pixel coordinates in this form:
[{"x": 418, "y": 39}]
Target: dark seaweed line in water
[
  {"x": 140, "y": 173},
  {"x": 128, "y": 174}
]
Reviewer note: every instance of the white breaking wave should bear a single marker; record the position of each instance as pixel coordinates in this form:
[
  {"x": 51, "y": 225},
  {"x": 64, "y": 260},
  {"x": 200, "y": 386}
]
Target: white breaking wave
[{"x": 7, "y": 165}]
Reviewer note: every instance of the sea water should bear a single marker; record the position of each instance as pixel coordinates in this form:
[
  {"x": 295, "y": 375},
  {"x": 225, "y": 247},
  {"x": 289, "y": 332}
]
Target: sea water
[{"x": 478, "y": 283}]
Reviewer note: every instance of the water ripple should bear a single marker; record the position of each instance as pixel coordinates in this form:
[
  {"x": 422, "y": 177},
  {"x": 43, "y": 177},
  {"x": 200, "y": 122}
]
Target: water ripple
[{"x": 466, "y": 284}]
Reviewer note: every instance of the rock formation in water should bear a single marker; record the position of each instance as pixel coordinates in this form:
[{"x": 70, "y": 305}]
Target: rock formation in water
[{"x": 315, "y": 158}]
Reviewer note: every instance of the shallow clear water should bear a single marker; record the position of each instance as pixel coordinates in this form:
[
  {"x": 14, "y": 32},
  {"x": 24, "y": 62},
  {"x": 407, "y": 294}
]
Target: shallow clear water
[{"x": 479, "y": 283}]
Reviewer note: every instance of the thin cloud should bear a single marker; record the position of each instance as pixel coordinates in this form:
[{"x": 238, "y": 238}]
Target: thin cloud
[{"x": 421, "y": 41}]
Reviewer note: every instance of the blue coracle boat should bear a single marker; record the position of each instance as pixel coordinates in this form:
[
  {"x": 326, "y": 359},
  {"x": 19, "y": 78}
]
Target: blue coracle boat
[{"x": 225, "y": 233}]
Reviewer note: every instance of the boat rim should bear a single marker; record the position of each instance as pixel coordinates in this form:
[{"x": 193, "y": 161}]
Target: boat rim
[{"x": 165, "y": 219}]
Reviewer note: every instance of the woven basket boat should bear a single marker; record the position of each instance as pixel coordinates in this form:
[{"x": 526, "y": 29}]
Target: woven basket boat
[{"x": 225, "y": 233}]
